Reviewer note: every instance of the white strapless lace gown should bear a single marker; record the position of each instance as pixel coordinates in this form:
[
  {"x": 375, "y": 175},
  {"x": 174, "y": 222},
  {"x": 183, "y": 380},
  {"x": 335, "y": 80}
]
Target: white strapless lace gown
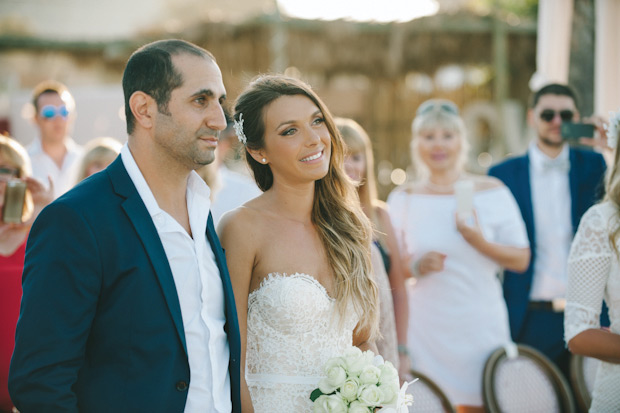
[{"x": 292, "y": 332}]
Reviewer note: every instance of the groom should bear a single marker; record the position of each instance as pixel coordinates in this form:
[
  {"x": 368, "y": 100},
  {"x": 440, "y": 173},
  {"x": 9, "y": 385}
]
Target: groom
[{"x": 127, "y": 304}]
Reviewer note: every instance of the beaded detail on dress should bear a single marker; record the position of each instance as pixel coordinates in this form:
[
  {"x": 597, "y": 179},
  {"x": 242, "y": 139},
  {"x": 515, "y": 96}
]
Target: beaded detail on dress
[{"x": 293, "y": 329}]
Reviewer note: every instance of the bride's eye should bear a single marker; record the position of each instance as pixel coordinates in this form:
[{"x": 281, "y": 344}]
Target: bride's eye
[{"x": 288, "y": 132}]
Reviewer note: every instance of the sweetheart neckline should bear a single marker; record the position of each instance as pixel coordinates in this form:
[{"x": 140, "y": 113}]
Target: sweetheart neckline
[{"x": 272, "y": 276}]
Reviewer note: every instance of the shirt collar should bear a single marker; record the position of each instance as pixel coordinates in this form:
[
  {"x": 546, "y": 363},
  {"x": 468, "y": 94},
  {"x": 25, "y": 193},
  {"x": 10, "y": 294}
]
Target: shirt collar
[
  {"x": 197, "y": 190},
  {"x": 538, "y": 157},
  {"x": 36, "y": 147}
]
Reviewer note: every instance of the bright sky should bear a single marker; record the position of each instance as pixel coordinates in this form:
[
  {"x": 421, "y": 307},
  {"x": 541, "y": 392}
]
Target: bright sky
[{"x": 361, "y": 10}]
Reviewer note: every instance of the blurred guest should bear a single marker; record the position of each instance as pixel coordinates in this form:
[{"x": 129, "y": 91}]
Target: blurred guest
[
  {"x": 554, "y": 185},
  {"x": 389, "y": 274},
  {"x": 229, "y": 188},
  {"x": 98, "y": 154},
  {"x": 14, "y": 165},
  {"x": 594, "y": 276},
  {"x": 53, "y": 153},
  {"x": 457, "y": 314}
]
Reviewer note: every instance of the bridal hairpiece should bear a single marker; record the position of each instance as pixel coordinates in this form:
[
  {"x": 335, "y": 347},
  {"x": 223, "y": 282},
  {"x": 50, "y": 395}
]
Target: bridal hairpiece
[
  {"x": 612, "y": 128},
  {"x": 238, "y": 126}
]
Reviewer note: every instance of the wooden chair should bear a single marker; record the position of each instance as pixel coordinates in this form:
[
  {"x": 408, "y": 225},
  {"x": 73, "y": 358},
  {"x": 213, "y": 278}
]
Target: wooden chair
[
  {"x": 427, "y": 396},
  {"x": 519, "y": 378},
  {"x": 582, "y": 375}
]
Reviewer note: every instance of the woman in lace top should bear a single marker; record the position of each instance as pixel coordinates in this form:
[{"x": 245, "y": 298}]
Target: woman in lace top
[
  {"x": 394, "y": 314},
  {"x": 299, "y": 254},
  {"x": 594, "y": 276}
]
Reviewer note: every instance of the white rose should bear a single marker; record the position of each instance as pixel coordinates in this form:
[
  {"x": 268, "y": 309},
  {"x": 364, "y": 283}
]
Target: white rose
[
  {"x": 354, "y": 360},
  {"x": 389, "y": 374},
  {"x": 330, "y": 404},
  {"x": 336, "y": 375},
  {"x": 357, "y": 407},
  {"x": 349, "y": 389},
  {"x": 370, "y": 375},
  {"x": 390, "y": 393},
  {"x": 370, "y": 395}
]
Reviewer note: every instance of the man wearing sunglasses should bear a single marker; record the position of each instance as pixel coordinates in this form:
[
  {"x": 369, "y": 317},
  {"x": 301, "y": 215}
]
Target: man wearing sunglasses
[
  {"x": 554, "y": 184},
  {"x": 53, "y": 153}
]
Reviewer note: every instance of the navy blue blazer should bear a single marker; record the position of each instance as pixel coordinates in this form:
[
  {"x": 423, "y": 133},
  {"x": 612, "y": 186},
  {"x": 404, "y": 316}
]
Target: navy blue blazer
[
  {"x": 586, "y": 177},
  {"x": 100, "y": 327}
]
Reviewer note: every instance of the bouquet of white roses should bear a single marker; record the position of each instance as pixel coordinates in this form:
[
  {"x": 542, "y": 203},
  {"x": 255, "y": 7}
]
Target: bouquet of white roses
[{"x": 359, "y": 382}]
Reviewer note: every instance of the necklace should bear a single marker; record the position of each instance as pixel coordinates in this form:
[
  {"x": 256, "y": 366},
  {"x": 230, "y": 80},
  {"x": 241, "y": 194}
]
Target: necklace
[{"x": 440, "y": 188}]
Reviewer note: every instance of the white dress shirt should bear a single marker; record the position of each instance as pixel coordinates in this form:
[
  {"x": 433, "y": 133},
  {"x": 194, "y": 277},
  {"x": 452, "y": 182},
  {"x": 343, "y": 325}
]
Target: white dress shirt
[
  {"x": 199, "y": 288},
  {"x": 551, "y": 203},
  {"x": 43, "y": 165},
  {"x": 235, "y": 189}
]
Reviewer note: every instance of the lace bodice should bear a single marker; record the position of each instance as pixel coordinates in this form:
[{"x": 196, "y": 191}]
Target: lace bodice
[
  {"x": 594, "y": 275},
  {"x": 293, "y": 329}
]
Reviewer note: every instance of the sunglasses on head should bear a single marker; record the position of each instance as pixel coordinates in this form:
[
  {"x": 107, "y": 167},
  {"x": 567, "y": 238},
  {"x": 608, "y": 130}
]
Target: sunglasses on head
[
  {"x": 440, "y": 105},
  {"x": 547, "y": 115},
  {"x": 5, "y": 170},
  {"x": 51, "y": 111}
]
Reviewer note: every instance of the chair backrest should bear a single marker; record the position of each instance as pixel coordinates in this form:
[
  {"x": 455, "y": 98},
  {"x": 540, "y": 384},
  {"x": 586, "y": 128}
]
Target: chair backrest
[
  {"x": 427, "y": 396},
  {"x": 582, "y": 375},
  {"x": 526, "y": 381}
]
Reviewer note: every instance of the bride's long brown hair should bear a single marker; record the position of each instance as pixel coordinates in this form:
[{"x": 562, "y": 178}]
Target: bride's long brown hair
[{"x": 343, "y": 228}]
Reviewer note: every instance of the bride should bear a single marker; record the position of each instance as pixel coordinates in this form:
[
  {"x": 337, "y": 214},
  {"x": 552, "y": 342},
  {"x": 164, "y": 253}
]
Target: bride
[{"x": 298, "y": 254}]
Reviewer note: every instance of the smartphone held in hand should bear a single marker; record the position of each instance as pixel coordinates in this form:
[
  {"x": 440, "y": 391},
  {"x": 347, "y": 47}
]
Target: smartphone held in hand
[
  {"x": 464, "y": 194},
  {"x": 577, "y": 130},
  {"x": 14, "y": 199}
]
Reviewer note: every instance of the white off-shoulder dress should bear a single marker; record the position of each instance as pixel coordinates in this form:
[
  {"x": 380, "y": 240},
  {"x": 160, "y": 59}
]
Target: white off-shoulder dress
[
  {"x": 292, "y": 332},
  {"x": 458, "y": 316},
  {"x": 594, "y": 275}
]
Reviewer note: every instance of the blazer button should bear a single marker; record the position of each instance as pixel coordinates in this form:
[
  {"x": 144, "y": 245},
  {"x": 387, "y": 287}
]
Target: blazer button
[{"x": 181, "y": 385}]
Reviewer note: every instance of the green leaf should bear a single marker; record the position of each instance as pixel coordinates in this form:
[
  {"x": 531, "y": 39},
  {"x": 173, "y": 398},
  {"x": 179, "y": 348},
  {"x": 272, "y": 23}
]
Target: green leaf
[{"x": 315, "y": 394}]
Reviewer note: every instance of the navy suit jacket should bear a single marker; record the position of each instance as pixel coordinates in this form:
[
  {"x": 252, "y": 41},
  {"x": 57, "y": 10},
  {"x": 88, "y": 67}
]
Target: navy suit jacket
[
  {"x": 586, "y": 181},
  {"x": 100, "y": 327}
]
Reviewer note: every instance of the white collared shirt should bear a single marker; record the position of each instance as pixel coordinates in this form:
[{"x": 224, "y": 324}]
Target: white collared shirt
[
  {"x": 551, "y": 203},
  {"x": 199, "y": 288},
  {"x": 43, "y": 165}
]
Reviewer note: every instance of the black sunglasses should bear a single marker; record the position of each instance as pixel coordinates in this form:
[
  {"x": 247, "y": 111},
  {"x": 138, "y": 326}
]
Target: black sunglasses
[{"x": 566, "y": 115}]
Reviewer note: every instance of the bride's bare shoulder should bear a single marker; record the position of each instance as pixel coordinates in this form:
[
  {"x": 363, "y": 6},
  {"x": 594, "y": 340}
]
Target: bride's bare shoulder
[{"x": 246, "y": 219}]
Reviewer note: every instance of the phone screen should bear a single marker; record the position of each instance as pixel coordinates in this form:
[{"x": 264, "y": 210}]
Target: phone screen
[{"x": 577, "y": 130}]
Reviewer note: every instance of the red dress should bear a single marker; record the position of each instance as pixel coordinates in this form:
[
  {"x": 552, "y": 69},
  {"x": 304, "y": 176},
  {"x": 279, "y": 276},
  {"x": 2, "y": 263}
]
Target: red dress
[{"x": 11, "y": 269}]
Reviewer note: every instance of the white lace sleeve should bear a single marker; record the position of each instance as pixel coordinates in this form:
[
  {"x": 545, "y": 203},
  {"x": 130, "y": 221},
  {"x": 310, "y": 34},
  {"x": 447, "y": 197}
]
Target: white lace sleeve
[{"x": 589, "y": 264}]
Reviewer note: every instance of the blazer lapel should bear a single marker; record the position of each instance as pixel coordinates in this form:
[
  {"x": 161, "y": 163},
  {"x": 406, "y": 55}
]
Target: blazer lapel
[
  {"x": 147, "y": 233},
  {"x": 574, "y": 181},
  {"x": 231, "y": 309},
  {"x": 522, "y": 179}
]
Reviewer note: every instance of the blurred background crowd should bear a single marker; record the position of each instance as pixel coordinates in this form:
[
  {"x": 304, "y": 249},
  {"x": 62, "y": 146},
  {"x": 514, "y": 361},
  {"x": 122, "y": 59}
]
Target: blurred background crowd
[{"x": 373, "y": 69}]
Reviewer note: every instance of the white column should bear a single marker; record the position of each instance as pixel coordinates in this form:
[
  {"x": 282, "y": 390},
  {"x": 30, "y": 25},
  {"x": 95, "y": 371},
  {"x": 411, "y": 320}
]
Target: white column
[
  {"x": 555, "y": 19},
  {"x": 607, "y": 57}
]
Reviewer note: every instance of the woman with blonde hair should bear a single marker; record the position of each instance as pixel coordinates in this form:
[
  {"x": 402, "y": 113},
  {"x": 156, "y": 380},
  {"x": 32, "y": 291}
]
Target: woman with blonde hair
[
  {"x": 460, "y": 230},
  {"x": 389, "y": 271},
  {"x": 14, "y": 166},
  {"x": 594, "y": 276},
  {"x": 299, "y": 253},
  {"x": 98, "y": 154}
]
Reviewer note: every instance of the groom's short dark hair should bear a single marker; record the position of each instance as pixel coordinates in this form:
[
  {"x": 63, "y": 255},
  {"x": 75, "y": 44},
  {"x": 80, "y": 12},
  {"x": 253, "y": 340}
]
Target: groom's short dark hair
[{"x": 150, "y": 70}]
